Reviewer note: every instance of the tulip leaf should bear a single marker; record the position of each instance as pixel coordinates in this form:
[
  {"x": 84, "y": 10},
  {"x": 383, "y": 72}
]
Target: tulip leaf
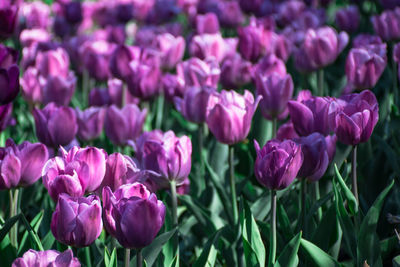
[
  {"x": 396, "y": 261},
  {"x": 8, "y": 225},
  {"x": 35, "y": 224},
  {"x": 288, "y": 256},
  {"x": 7, "y": 251},
  {"x": 351, "y": 199},
  {"x": 209, "y": 253},
  {"x": 368, "y": 242},
  {"x": 48, "y": 241},
  {"x": 199, "y": 212},
  {"x": 284, "y": 222},
  {"x": 317, "y": 255},
  {"x": 35, "y": 240},
  {"x": 252, "y": 242},
  {"x": 110, "y": 260},
  {"x": 314, "y": 208},
  {"x": 345, "y": 223}
]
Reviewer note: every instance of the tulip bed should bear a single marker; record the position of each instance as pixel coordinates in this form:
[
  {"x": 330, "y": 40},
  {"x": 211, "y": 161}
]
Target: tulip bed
[{"x": 199, "y": 133}]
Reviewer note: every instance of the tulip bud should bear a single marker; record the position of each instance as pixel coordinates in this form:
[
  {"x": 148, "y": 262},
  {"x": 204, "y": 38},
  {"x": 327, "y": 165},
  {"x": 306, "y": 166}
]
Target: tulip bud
[
  {"x": 120, "y": 58},
  {"x": 276, "y": 91},
  {"x": 31, "y": 90},
  {"x": 196, "y": 72},
  {"x": 53, "y": 62},
  {"x": 268, "y": 65},
  {"x": 386, "y": 25},
  {"x": 173, "y": 86},
  {"x": 123, "y": 125},
  {"x": 55, "y": 125},
  {"x": 286, "y": 131},
  {"x": 58, "y": 89},
  {"x": 47, "y": 258},
  {"x": 277, "y": 163},
  {"x": 95, "y": 56},
  {"x": 356, "y": 121},
  {"x": 208, "y": 45},
  {"x": 99, "y": 97},
  {"x": 9, "y": 82},
  {"x": 252, "y": 39},
  {"x": 165, "y": 154},
  {"x": 90, "y": 122},
  {"x": 229, "y": 115},
  {"x": 8, "y": 18},
  {"x": 348, "y": 19},
  {"x": 235, "y": 71},
  {"x": 77, "y": 220},
  {"x": 133, "y": 205},
  {"x": 229, "y": 14},
  {"x": 35, "y": 15},
  {"x": 171, "y": 49},
  {"x": 207, "y": 23}
]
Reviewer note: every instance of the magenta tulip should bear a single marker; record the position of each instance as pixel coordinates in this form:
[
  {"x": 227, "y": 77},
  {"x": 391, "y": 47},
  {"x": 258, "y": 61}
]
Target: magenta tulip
[
  {"x": 90, "y": 122},
  {"x": 47, "y": 258}
]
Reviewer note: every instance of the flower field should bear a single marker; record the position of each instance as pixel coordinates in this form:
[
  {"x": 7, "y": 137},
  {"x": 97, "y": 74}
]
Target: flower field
[{"x": 199, "y": 133}]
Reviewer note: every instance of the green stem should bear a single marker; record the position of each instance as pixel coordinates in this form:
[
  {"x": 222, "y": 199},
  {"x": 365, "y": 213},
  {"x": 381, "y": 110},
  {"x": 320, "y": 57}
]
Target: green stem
[
  {"x": 274, "y": 126},
  {"x": 13, "y": 212},
  {"x": 394, "y": 79},
  {"x": 321, "y": 82},
  {"x": 201, "y": 145},
  {"x": 87, "y": 257},
  {"x": 139, "y": 258},
  {"x": 175, "y": 212},
  {"x": 317, "y": 197},
  {"x": 160, "y": 111},
  {"x": 303, "y": 188},
  {"x": 127, "y": 257},
  {"x": 85, "y": 87},
  {"x": 272, "y": 249},
  {"x": 233, "y": 185},
  {"x": 354, "y": 172}
]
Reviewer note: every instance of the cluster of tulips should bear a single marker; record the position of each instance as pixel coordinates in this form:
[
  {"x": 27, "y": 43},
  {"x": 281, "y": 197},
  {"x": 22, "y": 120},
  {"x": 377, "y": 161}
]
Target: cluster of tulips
[{"x": 107, "y": 86}]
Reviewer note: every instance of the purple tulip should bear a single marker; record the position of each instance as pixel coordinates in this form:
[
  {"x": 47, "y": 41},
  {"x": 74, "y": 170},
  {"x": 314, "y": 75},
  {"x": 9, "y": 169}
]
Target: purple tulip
[
  {"x": 55, "y": 125},
  {"x": 99, "y": 97},
  {"x": 124, "y": 125},
  {"x": 229, "y": 115},
  {"x": 173, "y": 86},
  {"x": 312, "y": 114},
  {"x": 9, "y": 82},
  {"x": 95, "y": 57},
  {"x": 207, "y": 23},
  {"x": 235, "y": 72},
  {"x": 8, "y": 18},
  {"x": 29, "y": 37},
  {"x": 348, "y": 18},
  {"x": 396, "y": 53},
  {"x": 31, "y": 88},
  {"x": 120, "y": 59},
  {"x": 364, "y": 67},
  {"x": 73, "y": 12},
  {"x": 209, "y": 45},
  {"x": 77, "y": 220},
  {"x": 250, "y": 6},
  {"x": 331, "y": 146},
  {"x": 277, "y": 163},
  {"x": 171, "y": 49},
  {"x": 57, "y": 89},
  {"x": 252, "y": 40},
  {"x": 90, "y": 122},
  {"x": 165, "y": 154},
  {"x": 276, "y": 91},
  {"x": 390, "y": 4},
  {"x": 8, "y": 56},
  {"x": 47, "y": 258},
  {"x": 320, "y": 48},
  {"x": 286, "y": 131},
  {"x": 193, "y": 105},
  {"x": 133, "y": 215},
  {"x": 281, "y": 46},
  {"x": 356, "y": 121},
  {"x": 315, "y": 155},
  {"x": 196, "y": 72},
  {"x": 53, "y": 63},
  {"x": 35, "y": 15},
  {"x": 116, "y": 90},
  {"x": 229, "y": 14},
  {"x": 6, "y": 118},
  {"x": 387, "y": 25},
  {"x": 268, "y": 65}
]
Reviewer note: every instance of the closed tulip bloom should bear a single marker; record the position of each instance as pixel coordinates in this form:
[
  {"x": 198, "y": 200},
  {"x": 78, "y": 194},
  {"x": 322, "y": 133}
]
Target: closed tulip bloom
[
  {"x": 196, "y": 72},
  {"x": 8, "y": 19},
  {"x": 362, "y": 40},
  {"x": 282, "y": 46},
  {"x": 123, "y": 125},
  {"x": 55, "y": 125},
  {"x": 229, "y": 115},
  {"x": 355, "y": 123},
  {"x": 57, "y": 89},
  {"x": 331, "y": 146},
  {"x": 235, "y": 71},
  {"x": 268, "y": 65},
  {"x": 90, "y": 122},
  {"x": 47, "y": 258},
  {"x": 53, "y": 62},
  {"x": 99, "y": 97},
  {"x": 95, "y": 57},
  {"x": 364, "y": 67},
  {"x": 312, "y": 114},
  {"x": 207, "y": 46},
  {"x": 6, "y": 118},
  {"x": 387, "y": 24},
  {"x": 396, "y": 53},
  {"x": 286, "y": 131},
  {"x": 251, "y": 41},
  {"x": 277, "y": 163},
  {"x": 276, "y": 91},
  {"x": 207, "y": 23},
  {"x": 31, "y": 89},
  {"x": 173, "y": 86},
  {"x": 171, "y": 49},
  {"x": 115, "y": 89},
  {"x": 193, "y": 105},
  {"x": 9, "y": 82},
  {"x": 250, "y": 6},
  {"x": 315, "y": 155},
  {"x": 133, "y": 215},
  {"x": 73, "y": 12},
  {"x": 8, "y": 56},
  {"x": 165, "y": 154},
  {"x": 120, "y": 59},
  {"x": 10, "y": 166},
  {"x": 77, "y": 220},
  {"x": 229, "y": 14},
  {"x": 348, "y": 18},
  {"x": 35, "y": 14}
]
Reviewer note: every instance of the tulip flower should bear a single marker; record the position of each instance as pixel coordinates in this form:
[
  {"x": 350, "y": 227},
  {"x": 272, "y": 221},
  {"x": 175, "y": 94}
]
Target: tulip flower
[
  {"x": 31, "y": 90},
  {"x": 8, "y": 19},
  {"x": 77, "y": 220},
  {"x": 276, "y": 91},
  {"x": 53, "y": 63},
  {"x": 8, "y": 56},
  {"x": 120, "y": 58},
  {"x": 277, "y": 163},
  {"x": 171, "y": 49},
  {"x": 286, "y": 131},
  {"x": 95, "y": 57},
  {"x": 90, "y": 122},
  {"x": 167, "y": 155},
  {"x": 229, "y": 14},
  {"x": 207, "y": 23},
  {"x": 364, "y": 67},
  {"x": 57, "y": 89},
  {"x": 209, "y": 45},
  {"x": 9, "y": 82},
  {"x": 229, "y": 115},
  {"x": 124, "y": 125},
  {"x": 252, "y": 41},
  {"x": 133, "y": 215},
  {"x": 386, "y": 25},
  {"x": 348, "y": 18},
  {"x": 193, "y": 105},
  {"x": 235, "y": 71},
  {"x": 6, "y": 118},
  {"x": 55, "y": 125},
  {"x": 47, "y": 258},
  {"x": 268, "y": 65},
  {"x": 196, "y": 72},
  {"x": 35, "y": 15},
  {"x": 173, "y": 86}
]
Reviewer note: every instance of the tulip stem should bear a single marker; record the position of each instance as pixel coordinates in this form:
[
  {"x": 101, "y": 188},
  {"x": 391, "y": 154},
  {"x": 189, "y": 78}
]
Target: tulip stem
[
  {"x": 317, "y": 197},
  {"x": 303, "y": 188},
  {"x": 321, "y": 82},
  {"x": 139, "y": 258},
  {"x": 394, "y": 69},
  {"x": 233, "y": 185},
  {"x": 354, "y": 172},
  {"x": 272, "y": 248},
  {"x": 274, "y": 126},
  {"x": 160, "y": 111},
  {"x": 87, "y": 257},
  {"x": 175, "y": 212},
  {"x": 201, "y": 141},
  {"x": 13, "y": 212},
  {"x": 85, "y": 87},
  {"x": 127, "y": 257}
]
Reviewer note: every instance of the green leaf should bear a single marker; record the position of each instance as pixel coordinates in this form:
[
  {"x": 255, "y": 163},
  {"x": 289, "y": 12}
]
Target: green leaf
[
  {"x": 351, "y": 199},
  {"x": 368, "y": 241},
  {"x": 199, "y": 212},
  {"x": 35, "y": 223},
  {"x": 48, "y": 241},
  {"x": 288, "y": 257},
  {"x": 8, "y": 225},
  {"x": 252, "y": 242},
  {"x": 150, "y": 253},
  {"x": 209, "y": 253},
  {"x": 396, "y": 261},
  {"x": 284, "y": 222},
  {"x": 317, "y": 255},
  {"x": 7, "y": 252},
  {"x": 35, "y": 240}
]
